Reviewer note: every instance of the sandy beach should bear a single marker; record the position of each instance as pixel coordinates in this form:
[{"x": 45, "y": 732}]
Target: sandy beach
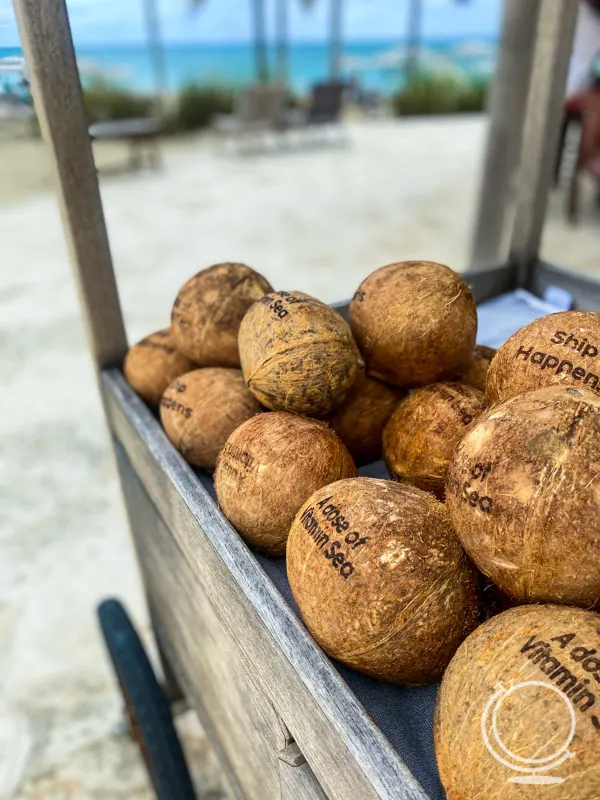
[{"x": 315, "y": 219}]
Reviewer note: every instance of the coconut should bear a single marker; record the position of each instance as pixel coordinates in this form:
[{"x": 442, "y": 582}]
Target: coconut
[
  {"x": 208, "y": 310},
  {"x": 380, "y": 579},
  {"x": 476, "y": 372},
  {"x": 152, "y": 364},
  {"x": 201, "y": 409},
  {"x": 269, "y": 467},
  {"x": 361, "y": 418},
  {"x": 517, "y": 712},
  {"x": 558, "y": 350},
  {"x": 297, "y": 354},
  {"x": 522, "y": 492},
  {"x": 415, "y": 323},
  {"x": 422, "y": 434}
]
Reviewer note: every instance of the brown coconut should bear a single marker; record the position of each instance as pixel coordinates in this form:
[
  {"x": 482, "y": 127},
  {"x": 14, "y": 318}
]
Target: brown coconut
[
  {"x": 476, "y": 373},
  {"x": 523, "y": 492},
  {"x": 201, "y": 409},
  {"x": 415, "y": 323},
  {"x": 268, "y": 468},
  {"x": 360, "y": 419},
  {"x": 422, "y": 434},
  {"x": 518, "y": 711},
  {"x": 558, "y": 350},
  {"x": 381, "y": 580},
  {"x": 208, "y": 310},
  {"x": 152, "y": 364},
  {"x": 297, "y": 354}
]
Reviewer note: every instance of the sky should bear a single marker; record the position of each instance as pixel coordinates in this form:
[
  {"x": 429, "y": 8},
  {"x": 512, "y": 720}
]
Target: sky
[{"x": 121, "y": 21}]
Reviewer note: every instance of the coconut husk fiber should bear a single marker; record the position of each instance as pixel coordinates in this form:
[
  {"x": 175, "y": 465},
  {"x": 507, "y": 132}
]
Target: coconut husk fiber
[
  {"x": 201, "y": 409},
  {"x": 476, "y": 373},
  {"x": 152, "y": 364},
  {"x": 380, "y": 579},
  {"x": 517, "y": 713},
  {"x": 557, "y": 350},
  {"x": 360, "y": 419},
  {"x": 421, "y": 436},
  {"x": 208, "y": 310},
  {"x": 297, "y": 354},
  {"x": 415, "y": 323},
  {"x": 269, "y": 467},
  {"x": 522, "y": 493}
]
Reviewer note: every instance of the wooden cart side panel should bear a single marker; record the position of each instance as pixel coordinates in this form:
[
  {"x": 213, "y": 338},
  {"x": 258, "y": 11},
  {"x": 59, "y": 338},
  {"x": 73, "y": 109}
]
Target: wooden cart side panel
[
  {"x": 347, "y": 752},
  {"x": 299, "y": 783},
  {"x": 206, "y": 660},
  {"x": 48, "y": 47},
  {"x": 490, "y": 282}
]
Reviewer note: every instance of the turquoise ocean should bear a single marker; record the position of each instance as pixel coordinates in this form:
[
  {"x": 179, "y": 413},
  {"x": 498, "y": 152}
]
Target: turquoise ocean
[{"x": 378, "y": 65}]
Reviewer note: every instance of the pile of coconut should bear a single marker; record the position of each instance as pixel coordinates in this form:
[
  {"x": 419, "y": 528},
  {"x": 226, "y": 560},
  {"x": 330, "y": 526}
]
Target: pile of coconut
[{"x": 492, "y": 502}]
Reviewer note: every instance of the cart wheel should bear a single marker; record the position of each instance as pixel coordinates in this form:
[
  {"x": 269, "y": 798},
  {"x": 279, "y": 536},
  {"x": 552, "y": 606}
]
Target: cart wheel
[{"x": 147, "y": 706}]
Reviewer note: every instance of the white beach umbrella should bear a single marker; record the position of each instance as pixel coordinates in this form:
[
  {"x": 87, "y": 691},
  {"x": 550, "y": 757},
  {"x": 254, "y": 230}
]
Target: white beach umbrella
[{"x": 415, "y": 32}]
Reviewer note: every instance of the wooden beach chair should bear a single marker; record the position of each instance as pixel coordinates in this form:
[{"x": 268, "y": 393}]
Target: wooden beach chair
[
  {"x": 259, "y": 113},
  {"x": 324, "y": 110},
  {"x": 141, "y": 132}
]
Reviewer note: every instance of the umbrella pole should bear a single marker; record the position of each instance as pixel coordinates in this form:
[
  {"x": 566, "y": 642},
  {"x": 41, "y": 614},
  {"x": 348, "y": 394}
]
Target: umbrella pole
[
  {"x": 260, "y": 45},
  {"x": 156, "y": 54},
  {"x": 282, "y": 41},
  {"x": 335, "y": 52}
]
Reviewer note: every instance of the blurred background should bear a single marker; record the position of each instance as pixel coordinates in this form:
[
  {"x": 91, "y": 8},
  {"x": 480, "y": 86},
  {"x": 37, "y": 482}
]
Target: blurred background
[{"x": 315, "y": 140}]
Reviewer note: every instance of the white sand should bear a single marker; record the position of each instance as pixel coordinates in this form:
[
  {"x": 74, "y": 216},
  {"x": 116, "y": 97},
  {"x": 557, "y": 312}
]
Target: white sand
[{"x": 316, "y": 220}]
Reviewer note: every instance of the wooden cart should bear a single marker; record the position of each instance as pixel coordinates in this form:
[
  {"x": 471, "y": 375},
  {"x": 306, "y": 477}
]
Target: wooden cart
[{"x": 286, "y": 722}]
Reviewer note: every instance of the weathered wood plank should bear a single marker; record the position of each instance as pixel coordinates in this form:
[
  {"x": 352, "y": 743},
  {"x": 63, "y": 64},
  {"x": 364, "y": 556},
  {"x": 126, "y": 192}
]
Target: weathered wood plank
[
  {"x": 554, "y": 42},
  {"x": 346, "y": 751},
  {"x": 506, "y": 108},
  {"x": 48, "y": 47},
  {"x": 297, "y": 779},
  {"x": 237, "y": 715}
]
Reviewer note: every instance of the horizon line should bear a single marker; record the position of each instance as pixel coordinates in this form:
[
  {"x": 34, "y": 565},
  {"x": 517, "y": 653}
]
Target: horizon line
[{"x": 110, "y": 45}]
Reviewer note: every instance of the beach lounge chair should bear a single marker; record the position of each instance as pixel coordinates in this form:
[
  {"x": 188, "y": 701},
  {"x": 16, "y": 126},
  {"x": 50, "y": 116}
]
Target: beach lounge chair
[
  {"x": 141, "y": 132},
  {"x": 324, "y": 110},
  {"x": 259, "y": 112}
]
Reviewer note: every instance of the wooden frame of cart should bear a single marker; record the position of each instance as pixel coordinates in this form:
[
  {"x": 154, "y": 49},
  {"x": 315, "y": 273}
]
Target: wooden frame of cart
[{"x": 283, "y": 721}]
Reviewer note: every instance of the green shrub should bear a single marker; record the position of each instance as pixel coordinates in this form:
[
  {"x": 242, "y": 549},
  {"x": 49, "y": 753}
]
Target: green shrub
[
  {"x": 104, "y": 101},
  {"x": 196, "y": 105},
  {"x": 439, "y": 94},
  {"x": 473, "y": 97}
]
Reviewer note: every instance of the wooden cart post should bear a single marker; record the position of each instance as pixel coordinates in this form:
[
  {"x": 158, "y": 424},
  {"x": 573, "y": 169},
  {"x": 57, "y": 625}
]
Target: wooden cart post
[
  {"x": 506, "y": 118},
  {"x": 48, "y": 47},
  {"x": 554, "y": 43}
]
